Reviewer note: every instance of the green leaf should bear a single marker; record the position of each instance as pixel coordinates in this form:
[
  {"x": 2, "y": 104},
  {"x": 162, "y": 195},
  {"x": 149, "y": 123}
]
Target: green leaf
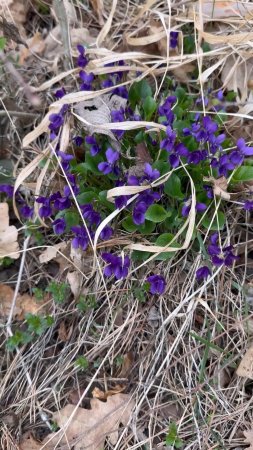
[
  {"x": 163, "y": 240},
  {"x": 243, "y": 173},
  {"x": 218, "y": 222},
  {"x": 172, "y": 438},
  {"x": 139, "y": 91},
  {"x": 156, "y": 213},
  {"x": 163, "y": 167},
  {"x": 3, "y": 41},
  {"x": 103, "y": 200},
  {"x": 149, "y": 107},
  {"x": 128, "y": 225},
  {"x": 147, "y": 227},
  {"x": 172, "y": 187},
  {"x": 140, "y": 256},
  {"x": 86, "y": 197}
]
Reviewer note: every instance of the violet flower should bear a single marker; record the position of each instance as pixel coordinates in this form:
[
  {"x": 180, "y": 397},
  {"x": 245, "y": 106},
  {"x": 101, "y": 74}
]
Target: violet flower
[
  {"x": 203, "y": 273},
  {"x": 220, "y": 256},
  {"x": 59, "y": 225},
  {"x": 157, "y": 284},
  {"x": 248, "y": 205},
  {"x": 90, "y": 214},
  {"x": 152, "y": 174},
  {"x": 82, "y": 61},
  {"x": 26, "y": 211},
  {"x": 78, "y": 140},
  {"x": 168, "y": 142},
  {"x": 116, "y": 265},
  {"x": 81, "y": 239},
  {"x": 60, "y": 93},
  {"x": 174, "y": 39},
  {"x": 45, "y": 210},
  {"x": 94, "y": 147},
  {"x": 200, "y": 207},
  {"x": 106, "y": 233},
  {"x": 112, "y": 157},
  {"x": 7, "y": 189},
  {"x": 87, "y": 78}
]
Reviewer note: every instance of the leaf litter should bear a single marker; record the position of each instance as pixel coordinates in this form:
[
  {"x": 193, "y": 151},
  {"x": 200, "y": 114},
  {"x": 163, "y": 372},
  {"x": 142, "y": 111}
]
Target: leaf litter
[{"x": 87, "y": 429}]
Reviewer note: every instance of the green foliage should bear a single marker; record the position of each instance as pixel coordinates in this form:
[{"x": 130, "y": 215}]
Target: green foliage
[
  {"x": 172, "y": 187},
  {"x": 141, "y": 292},
  {"x": 38, "y": 293},
  {"x": 38, "y": 324},
  {"x": 163, "y": 240},
  {"x": 172, "y": 437},
  {"x": 82, "y": 363},
  {"x": 3, "y": 41},
  {"x": 243, "y": 173},
  {"x": 6, "y": 262},
  {"x": 86, "y": 303},
  {"x": 149, "y": 107},
  {"x": 156, "y": 213},
  {"x": 138, "y": 92},
  {"x": 59, "y": 291},
  {"x": 218, "y": 222}
]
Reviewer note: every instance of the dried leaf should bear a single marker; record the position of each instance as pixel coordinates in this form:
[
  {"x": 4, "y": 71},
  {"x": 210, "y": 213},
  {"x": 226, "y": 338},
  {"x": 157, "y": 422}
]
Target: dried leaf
[
  {"x": 51, "y": 252},
  {"x": 236, "y": 73},
  {"x": 89, "y": 428},
  {"x": 218, "y": 9},
  {"x": 24, "y": 303},
  {"x": 127, "y": 365},
  {"x": 35, "y": 44},
  {"x": 245, "y": 368},
  {"x": 101, "y": 395},
  {"x": 219, "y": 187},
  {"x": 98, "y": 6},
  {"x": 14, "y": 11},
  {"x": 63, "y": 333},
  {"x": 29, "y": 443},
  {"x": 8, "y": 234},
  {"x": 249, "y": 438},
  {"x": 75, "y": 282}
]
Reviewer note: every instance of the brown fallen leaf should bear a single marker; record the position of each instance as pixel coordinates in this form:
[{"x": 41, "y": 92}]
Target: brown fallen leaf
[
  {"x": 245, "y": 368},
  {"x": 98, "y": 6},
  {"x": 127, "y": 364},
  {"x": 218, "y": 9},
  {"x": 24, "y": 303},
  {"x": 220, "y": 186},
  {"x": 249, "y": 438},
  {"x": 64, "y": 333},
  {"x": 51, "y": 252},
  {"x": 14, "y": 11},
  {"x": 8, "y": 234},
  {"x": 88, "y": 428},
  {"x": 35, "y": 44},
  {"x": 101, "y": 395}
]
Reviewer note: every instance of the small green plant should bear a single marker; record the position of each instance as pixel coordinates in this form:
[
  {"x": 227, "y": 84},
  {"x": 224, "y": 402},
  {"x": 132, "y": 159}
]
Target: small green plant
[
  {"x": 19, "y": 338},
  {"x": 87, "y": 302},
  {"x": 38, "y": 293},
  {"x": 38, "y": 324},
  {"x": 6, "y": 262},
  {"x": 82, "y": 363},
  {"x": 59, "y": 291},
  {"x": 172, "y": 437}
]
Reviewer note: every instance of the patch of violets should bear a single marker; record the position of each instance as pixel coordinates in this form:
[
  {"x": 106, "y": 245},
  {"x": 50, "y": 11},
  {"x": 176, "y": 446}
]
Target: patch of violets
[{"x": 206, "y": 150}]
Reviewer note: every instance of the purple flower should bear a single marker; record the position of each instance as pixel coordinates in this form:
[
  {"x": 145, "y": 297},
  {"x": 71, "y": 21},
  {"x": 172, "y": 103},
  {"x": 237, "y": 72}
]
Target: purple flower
[
  {"x": 82, "y": 61},
  {"x": 60, "y": 93},
  {"x": 112, "y": 157},
  {"x": 87, "y": 79},
  {"x": 157, "y": 284},
  {"x": 202, "y": 273},
  {"x": 107, "y": 83},
  {"x": 173, "y": 39},
  {"x": 56, "y": 121},
  {"x": 26, "y": 211},
  {"x": 220, "y": 95},
  {"x": 248, "y": 205},
  {"x": 90, "y": 214},
  {"x": 45, "y": 210},
  {"x": 81, "y": 239},
  {"x": 178, "y": 151},
  {"x": 200, "y": 207},
  {"x": 78, "y": 140},
  {"x": 169, "y": 141},
  {"x": 121, "y": 201},
  {"x": 65, "y": 159},
  {"x": 62, "y": 203},
  {"x": 118, "y": 115},
  {"x": 139, "y": 213},
  {"x": 220, "y": 256},
  {"x": 116, "y": 265},
  {"x": 7, "y": 189},
  {"x": 152, "y": 174},
  {"x": 94, "y": 149},
  {"x": 106, "y": 233},
  {"x": 121, "y": 91},
  {"x": 59, "y": 226},
  {"x": 209, "y": 191}
]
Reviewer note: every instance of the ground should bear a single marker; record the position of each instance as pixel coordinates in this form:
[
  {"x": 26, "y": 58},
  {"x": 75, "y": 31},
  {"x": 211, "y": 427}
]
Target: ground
[{"x": 126, "y": 225}]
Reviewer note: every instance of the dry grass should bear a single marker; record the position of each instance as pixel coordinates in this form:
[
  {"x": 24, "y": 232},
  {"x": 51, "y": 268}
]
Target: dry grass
[{"x": 186, "y": 345}]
